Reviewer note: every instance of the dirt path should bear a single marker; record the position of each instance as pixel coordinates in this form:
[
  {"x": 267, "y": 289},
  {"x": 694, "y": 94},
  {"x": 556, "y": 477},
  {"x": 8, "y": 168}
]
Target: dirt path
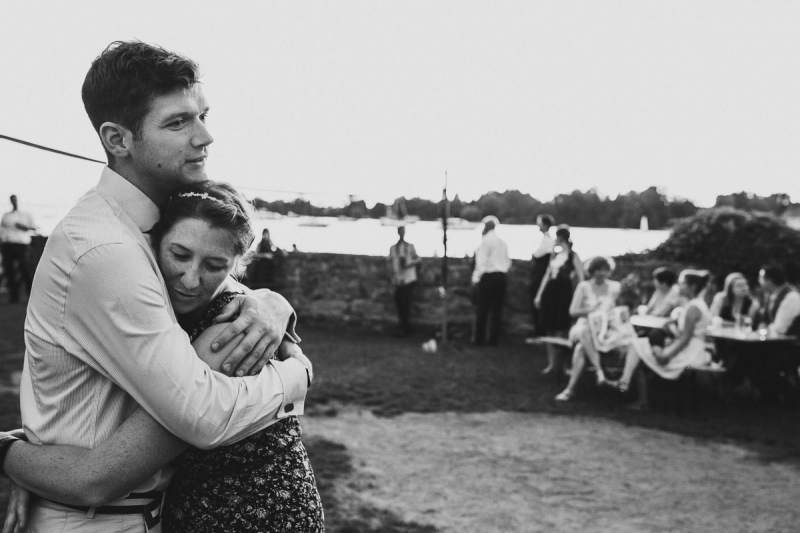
[{"x": 532, "y": 472}]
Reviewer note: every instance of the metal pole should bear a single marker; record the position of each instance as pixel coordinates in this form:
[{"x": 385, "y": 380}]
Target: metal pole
[{"x": 445, "y": 216}]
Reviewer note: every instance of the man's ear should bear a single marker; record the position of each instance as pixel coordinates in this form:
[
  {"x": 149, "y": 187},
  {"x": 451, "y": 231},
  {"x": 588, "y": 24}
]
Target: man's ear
[{"x": 116, "y": 139}]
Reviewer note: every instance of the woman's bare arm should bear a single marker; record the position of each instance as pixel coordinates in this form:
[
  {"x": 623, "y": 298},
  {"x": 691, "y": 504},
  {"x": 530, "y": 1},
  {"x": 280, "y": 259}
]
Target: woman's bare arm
[
  {"x": 685, "y": 335},
  {"x": 542, "y": 285}
]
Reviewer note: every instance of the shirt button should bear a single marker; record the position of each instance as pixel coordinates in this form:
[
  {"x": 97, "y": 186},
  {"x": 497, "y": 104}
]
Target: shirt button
[{"x": 288, "y": 407}]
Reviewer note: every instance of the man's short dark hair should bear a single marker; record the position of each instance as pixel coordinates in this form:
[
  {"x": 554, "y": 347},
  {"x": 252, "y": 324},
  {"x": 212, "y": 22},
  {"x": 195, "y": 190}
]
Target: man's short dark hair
[
  {"x": 547, "y": 220},
  {"x": 126, "y": 76},
  {"x": 774, "y": 273},
  {"x": 665, "y": 276}
]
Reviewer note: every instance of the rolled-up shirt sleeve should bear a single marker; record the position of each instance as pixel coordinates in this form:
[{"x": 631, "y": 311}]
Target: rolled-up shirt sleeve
[{"x": 124, "y": 329}]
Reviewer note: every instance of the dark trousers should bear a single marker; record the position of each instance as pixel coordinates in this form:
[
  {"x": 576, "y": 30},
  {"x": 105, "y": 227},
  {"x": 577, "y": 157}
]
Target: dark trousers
[
  {"x": 402, "y": 299},
  {"x": 537, "y": 275},
  {"x": 16, "y": 266},
  {"x": 491, "y": 297}
]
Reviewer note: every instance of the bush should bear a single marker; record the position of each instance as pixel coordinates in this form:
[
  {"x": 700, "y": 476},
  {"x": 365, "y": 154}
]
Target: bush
[{"x": 725, "y": 240}]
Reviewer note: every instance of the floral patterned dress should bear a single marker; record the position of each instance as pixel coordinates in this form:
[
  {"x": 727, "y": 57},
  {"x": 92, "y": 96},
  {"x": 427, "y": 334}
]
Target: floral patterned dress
[{"x": 263, "y": 483}]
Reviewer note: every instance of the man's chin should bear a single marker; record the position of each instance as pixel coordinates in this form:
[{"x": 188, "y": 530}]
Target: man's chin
[{"x": 196, "y": 176}]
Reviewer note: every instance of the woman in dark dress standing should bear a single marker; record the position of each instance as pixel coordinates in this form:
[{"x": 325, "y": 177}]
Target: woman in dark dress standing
[
  {"x": 262, "y": 483},
  {"x": 564, "y": 272}
]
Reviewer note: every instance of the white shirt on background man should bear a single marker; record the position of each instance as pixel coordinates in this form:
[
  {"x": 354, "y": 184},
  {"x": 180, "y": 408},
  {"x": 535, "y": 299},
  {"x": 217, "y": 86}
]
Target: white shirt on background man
[
  {"x": 787, "y": 311},
  {"x": 491, "y": 256},
  {"x": 10, "y": 233},
  {"x": 403, "y": 275},
  {"x": 545, "y": 247}
]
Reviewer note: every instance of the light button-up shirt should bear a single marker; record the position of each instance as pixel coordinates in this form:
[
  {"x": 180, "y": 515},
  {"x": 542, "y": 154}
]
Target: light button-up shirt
[
  {"x": 491, "y": 256},
  {"x": 101, "y": 339}
]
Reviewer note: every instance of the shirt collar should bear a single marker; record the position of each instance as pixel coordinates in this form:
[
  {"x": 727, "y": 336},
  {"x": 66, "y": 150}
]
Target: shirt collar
[{"x": 133, "y": 202}]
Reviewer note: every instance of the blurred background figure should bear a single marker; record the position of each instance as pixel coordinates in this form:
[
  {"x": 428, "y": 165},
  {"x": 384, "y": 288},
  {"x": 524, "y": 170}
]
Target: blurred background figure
[
  {"x": 403, "y": 260},
  {"x": 666, "y": 296},
  {"x": 491, "y": 265},
  {"x": 16, "y": 228},
  {"x": 553, "y": 300},
  {"x": 782, "y": 302},
  {"x": 262, "y": 271},
  {"x": 734, "y": 302},
  {"x": 539, "y": 262}
]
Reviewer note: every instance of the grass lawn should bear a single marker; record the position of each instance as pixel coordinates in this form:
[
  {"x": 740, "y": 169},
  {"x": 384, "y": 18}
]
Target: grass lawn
[{"x": 391, "y": 376}]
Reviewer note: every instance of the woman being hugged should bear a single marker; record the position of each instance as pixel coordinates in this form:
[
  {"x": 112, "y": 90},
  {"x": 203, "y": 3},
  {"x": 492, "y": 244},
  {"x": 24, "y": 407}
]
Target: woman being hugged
[{"x": 261, "y": 483}]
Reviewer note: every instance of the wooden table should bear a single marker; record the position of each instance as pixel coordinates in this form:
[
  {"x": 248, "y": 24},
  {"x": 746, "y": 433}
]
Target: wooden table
[{"x": 649, "y": 321}]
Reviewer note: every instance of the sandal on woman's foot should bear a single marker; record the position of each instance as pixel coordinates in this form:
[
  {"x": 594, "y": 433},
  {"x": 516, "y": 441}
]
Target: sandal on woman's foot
[
  {"x": 546, "y": 371},
  {"x": 622, "y": 386},
  {"x": 564, "y": 396},
  {"x": 601, "y": 379}
]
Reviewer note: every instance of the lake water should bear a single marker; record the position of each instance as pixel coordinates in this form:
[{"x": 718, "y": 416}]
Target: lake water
[{"x": 370, "y": 237}]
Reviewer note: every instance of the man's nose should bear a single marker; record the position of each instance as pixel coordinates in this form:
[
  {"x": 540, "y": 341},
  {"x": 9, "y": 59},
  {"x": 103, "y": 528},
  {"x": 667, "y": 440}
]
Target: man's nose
[{"x": 201, "y": 136}]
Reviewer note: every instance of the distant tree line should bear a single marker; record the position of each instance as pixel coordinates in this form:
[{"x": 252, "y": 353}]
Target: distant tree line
[{"x": 578, "y": 208}]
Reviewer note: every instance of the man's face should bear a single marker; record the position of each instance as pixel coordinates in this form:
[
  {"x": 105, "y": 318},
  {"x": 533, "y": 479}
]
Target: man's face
[
  {"x": 173, "y": 145},
  {"x": 13, "y": 200},
  {"x": 401, "y": 232}
]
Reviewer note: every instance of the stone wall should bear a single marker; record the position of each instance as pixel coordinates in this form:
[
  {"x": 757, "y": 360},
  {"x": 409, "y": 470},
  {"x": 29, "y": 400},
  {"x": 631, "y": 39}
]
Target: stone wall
[{"x": 356, "y": 289}]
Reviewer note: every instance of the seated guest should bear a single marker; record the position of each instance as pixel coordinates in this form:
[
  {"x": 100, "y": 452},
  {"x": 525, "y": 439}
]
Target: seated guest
[
  {"x": 688, "y": 349},
  {"x": 598, "y": 328},
  {"x": 666, "y": 297},
  {"x": 734, "y": 300},
  {"x": 782, "y": 307}
]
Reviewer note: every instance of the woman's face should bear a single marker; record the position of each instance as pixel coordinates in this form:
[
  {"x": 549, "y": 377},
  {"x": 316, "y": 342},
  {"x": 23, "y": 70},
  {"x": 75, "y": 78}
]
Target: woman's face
[
  {"x": 600, "y": 275},
  {"x": 739, "y": 288},
  {"x": 685, "y": 288},
  {"x": 195, "y": 259}
]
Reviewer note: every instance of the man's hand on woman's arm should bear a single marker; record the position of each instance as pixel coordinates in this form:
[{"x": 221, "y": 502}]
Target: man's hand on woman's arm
[{"x": 264, "y": 319}]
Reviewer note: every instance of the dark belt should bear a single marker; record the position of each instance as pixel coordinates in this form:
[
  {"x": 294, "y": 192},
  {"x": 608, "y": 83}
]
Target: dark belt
[{"x": 151, "y": 511}]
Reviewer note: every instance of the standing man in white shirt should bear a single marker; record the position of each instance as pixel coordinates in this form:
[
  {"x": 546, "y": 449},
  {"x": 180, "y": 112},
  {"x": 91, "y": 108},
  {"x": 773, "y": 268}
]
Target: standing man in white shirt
[
  {"x": 404, "y": 260},
  {"x": 101, "y": 336},
  {"x": 491, "y": 265},
  {"x": 540, "y": 260},
  {"x": 16, "y": 228}
]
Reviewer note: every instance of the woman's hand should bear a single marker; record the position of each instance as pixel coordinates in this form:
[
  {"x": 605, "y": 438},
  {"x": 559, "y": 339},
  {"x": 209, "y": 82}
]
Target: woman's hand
[
  {"x": 17, "y": 511},
  {"x": 661, "y": 357},
  {"x": 537, "y": 302}
]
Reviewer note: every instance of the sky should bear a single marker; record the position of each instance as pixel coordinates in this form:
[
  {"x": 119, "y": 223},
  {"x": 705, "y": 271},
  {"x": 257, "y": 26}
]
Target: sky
[{"x": 378, "y": 99}]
